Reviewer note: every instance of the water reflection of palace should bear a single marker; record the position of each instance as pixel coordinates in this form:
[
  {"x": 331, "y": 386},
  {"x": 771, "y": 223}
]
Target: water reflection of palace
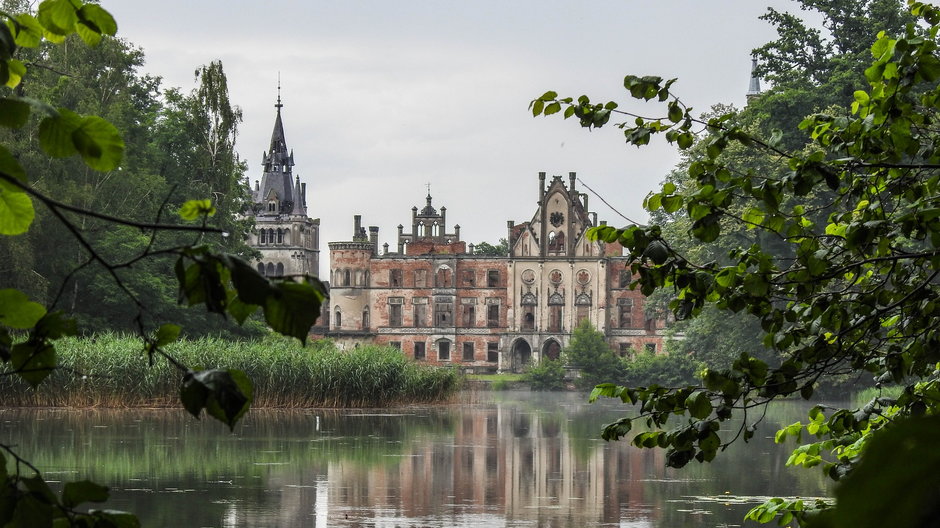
[{"x": 501, "y": 465}]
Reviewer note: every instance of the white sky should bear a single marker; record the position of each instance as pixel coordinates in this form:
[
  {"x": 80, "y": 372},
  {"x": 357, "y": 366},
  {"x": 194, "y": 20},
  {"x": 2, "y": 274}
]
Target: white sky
[{"x": 381, "y": 97}]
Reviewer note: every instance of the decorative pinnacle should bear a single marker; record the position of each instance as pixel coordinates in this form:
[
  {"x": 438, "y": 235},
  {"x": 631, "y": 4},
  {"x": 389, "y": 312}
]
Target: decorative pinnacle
[{"x": 278, "y": 105}]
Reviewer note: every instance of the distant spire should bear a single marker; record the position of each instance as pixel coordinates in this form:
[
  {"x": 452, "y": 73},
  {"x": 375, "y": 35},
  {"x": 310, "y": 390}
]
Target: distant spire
[
  {"x": 278, "y": 105},
  {"x": 754, "y": 87}
]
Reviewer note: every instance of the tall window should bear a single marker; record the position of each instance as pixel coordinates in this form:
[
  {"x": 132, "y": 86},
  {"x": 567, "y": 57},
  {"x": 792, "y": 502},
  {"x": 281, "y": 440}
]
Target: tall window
[
  {"x": 394, "y": 311},
  {"x": 280, "y": 236},
  {"x": 528, "y": 317},
  {"x": 492, "y": 352},
  {"x": 365, "y": 318},
  {"x": 443, "y": 350},
  {"x": 625, "y": 278},
  {"x": 468, "y": 351},
  {"x": 584, "y": 312},
  {"x": 443, "y": 313},
  {"x": 624, "y": 313},
  {"x": 419, "y": 350},
  {"x": 262, "y": 237},
  {"x": 421, "y": 315},
  {"x": 492, "y": 315},
  {"x": 394, "y": 278},
  {"x": 338, "y": 317},
  {"x": 468, "y": 318},
  {"x": 421, "y": 278},
  {"x": 554, "y": 318},
  {"x": 468, "y": 277},
  {"x": 443, "y": 279},
  {"x": 492, "y": 279}
]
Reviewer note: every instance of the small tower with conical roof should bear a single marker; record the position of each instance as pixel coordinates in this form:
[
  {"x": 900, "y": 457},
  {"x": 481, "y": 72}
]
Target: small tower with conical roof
[{"x": 286, "y": 237}]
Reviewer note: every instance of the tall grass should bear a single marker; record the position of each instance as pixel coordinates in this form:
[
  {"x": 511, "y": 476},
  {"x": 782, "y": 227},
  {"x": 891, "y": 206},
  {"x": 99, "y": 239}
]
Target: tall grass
[
  {"x": 113, "y": 371},
  {"x": 866, "y": 395}
]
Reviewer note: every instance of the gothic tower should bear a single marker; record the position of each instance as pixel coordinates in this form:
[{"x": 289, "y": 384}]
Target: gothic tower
[{"x": 286, "y": 237}]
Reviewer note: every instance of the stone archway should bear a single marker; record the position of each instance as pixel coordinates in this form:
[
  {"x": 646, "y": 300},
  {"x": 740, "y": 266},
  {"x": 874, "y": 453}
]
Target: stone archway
[
  {"x": 520, "y": 356},
  {"x": 551, "y": 350}
]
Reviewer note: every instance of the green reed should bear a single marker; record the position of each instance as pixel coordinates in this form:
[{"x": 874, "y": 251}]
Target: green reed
[{"x": 113, "y": 371}]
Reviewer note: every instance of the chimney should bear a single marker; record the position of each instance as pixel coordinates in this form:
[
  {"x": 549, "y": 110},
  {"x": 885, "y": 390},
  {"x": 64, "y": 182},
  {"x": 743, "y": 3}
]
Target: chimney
[
  {"x": 457, "y": 231},
  {"x": 357, "y": 226},
  {"x": 374, "y": 236},
  {"x": 385, "y": 248},
  {"x": 470, "y": 247}
]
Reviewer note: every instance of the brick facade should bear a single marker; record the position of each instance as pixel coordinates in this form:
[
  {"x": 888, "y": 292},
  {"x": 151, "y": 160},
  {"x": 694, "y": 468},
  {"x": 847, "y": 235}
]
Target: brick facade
[{"x": 439, "y": 303}]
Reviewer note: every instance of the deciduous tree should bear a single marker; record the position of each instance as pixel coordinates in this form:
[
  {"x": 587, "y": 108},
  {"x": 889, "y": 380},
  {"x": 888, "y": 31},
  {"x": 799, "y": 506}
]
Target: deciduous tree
[{"x": 854, "y": 291}]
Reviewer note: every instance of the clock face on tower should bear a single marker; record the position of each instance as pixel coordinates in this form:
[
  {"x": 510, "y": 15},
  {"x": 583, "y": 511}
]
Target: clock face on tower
[{"x": 556, "y": 219}]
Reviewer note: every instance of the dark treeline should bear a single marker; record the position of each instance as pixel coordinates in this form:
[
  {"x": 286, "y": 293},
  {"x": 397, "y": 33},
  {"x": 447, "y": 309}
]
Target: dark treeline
[{"x": 179, "y": 146}]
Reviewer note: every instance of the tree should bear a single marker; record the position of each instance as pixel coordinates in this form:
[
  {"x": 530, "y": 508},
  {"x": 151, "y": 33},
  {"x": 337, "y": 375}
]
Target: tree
[
  {"x": 589, "y": 352},
  {"x": 91, "y": 147},
  {"x": 854, "y": 292},
  {"x": 548, "y": 375},
  {"x": 499, "y": 250}
]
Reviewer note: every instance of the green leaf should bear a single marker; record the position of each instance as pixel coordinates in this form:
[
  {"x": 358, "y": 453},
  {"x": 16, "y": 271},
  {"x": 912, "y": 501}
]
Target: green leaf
[
  {"x": 225, "y": 394},
  {"x": 553, "y": 108},
  {"x": 17, "y": 311},
  {"x": 27, "y": 31},
  {"x": 55, "y": 133},
  {"x": 167, "y": 333},
  {"x": 33, "y": 361},
  {"x": 57, "y": 16},
  {"x": 31, "y": 512},
  {"x": 13, "y": 72},
  {"x": 55, "y": 325},
  {"x": 10, "y": 167},
  {"x": 75, "y": 493},
  {"x": 896, "y": 479},
  {"x": 16, "y": 211},
  {"x": 13, "y": 112},
  {"x": 193, "y": 209},
  {"x": 699, "y": 406},
  {"x": 292, "y": 308},
  {"x": 99, "y": 143}
]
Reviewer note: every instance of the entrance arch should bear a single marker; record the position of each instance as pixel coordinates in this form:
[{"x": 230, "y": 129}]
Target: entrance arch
[
  {"x": 551, "y": 350},
  {"x": 520, "y": 356}
]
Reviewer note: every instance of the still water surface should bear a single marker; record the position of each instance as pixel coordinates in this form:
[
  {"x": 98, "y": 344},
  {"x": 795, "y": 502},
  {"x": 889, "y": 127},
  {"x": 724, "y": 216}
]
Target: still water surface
[{"x": 514, "y": 459}]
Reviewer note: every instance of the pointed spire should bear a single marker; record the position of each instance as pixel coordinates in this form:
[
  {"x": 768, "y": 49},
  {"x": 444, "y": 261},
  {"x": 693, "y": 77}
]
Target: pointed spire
[
  {"x": 754, "y": 87},
  {"x": 278, "y": 161}
]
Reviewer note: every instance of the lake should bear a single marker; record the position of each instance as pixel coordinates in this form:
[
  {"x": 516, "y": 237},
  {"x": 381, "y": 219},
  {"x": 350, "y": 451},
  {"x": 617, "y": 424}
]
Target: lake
[{"x": 508, "y": 459}]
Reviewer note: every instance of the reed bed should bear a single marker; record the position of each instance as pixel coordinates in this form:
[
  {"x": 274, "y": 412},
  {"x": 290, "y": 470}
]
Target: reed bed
[{"x": 113, "y": 371}]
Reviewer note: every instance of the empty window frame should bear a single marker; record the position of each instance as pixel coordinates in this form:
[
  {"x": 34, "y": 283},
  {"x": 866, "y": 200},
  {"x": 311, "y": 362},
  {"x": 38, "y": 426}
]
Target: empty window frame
[
  {"x": 492, "y": 279},
  {"x": 492, "y": 352},
  {"x": 468, "y": 351}
]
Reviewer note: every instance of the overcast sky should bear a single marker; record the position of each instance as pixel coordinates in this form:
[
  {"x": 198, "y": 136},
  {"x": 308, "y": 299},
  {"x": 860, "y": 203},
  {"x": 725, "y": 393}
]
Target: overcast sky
[{"x": 382, "y": 97}]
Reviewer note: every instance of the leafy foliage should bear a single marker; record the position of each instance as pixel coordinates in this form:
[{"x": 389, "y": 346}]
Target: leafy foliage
[
  {"x": 499, "y": 250},
  {"x": 90, "y": 145},
  {"x": 588, "y": 351},
  {"x": 547, "y": 375},
  {"x": 849, "y": 285}
]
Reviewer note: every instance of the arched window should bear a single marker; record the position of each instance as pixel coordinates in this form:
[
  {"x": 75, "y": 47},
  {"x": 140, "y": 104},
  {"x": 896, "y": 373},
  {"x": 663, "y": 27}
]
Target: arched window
[
  {"x": 280, "y": 236},
  {"x": 280, "y": 269},
  {"x": 261, "y": 268},
  {"x": 270, "y": 269},
  {"x": 337, "y": 317},
  {"x": 365, "y": 318},
  {"x": 346, "y": 278}
]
